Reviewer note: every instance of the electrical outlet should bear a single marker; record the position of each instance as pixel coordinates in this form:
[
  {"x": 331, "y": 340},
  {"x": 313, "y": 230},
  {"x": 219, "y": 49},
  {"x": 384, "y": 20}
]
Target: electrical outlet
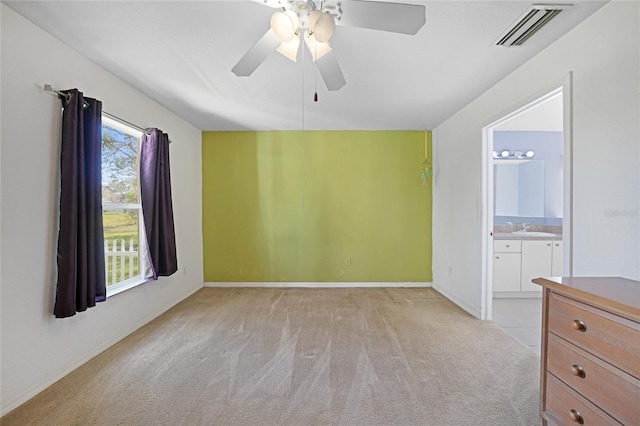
[
  {"x": 184, "y": 270},
  {"x": 348, "y": 261}
]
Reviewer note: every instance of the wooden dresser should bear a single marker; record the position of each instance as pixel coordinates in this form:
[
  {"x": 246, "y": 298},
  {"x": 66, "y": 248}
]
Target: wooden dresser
[{"x": 590, "y": 351}]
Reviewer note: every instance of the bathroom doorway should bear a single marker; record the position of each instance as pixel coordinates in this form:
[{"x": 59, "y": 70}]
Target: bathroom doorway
[{"x": 527, "y": 197}]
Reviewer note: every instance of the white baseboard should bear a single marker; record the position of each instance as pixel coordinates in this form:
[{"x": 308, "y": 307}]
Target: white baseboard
[
  {"x": 23, "y": 397},
  {"x": 317, "y": 284},
  {"x": 470, "y": 309},
  {"x": 517, "y": 295}
]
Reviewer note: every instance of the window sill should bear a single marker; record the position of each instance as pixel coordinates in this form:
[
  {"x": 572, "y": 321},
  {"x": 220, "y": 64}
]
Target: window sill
[{"x": 114, "y": 289}]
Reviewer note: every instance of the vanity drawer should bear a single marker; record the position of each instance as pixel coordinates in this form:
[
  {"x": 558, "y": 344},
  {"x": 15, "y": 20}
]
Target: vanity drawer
[
  {"x": 566, "y": 407},
  {"x": 607, "y": 336},
  {"x": 507, "y": 246},
  {"x": 600, "y": 383}
]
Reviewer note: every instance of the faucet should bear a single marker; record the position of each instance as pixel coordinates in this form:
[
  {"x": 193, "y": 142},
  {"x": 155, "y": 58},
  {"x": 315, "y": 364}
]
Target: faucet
[{"x": 524, "y": 227}]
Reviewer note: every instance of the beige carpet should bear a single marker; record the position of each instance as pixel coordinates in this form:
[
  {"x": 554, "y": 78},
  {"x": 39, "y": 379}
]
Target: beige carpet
[{"x": 265, "y": 356}]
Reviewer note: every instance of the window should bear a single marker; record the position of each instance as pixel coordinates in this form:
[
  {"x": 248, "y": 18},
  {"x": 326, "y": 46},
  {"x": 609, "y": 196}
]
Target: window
[{"x": 121, "y": 207}]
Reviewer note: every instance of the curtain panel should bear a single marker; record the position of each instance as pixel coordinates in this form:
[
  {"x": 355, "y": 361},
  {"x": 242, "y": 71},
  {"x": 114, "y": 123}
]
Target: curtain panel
[
  {"x": 157, "y": 205},
  {"x": 80, "y": 258}
]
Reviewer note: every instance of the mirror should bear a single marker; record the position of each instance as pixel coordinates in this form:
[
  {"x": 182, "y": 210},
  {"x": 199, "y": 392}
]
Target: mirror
[{"x": 519, "y": 188}]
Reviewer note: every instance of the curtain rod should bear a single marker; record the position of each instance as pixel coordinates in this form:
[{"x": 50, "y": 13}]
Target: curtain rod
[
  {"x": 113, "y": 117},
  {"x": 48, "y": 88}
]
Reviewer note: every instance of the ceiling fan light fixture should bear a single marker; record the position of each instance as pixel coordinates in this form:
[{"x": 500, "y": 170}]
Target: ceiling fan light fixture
[
  {"x": 317, "y": 49},
  {"x": 284, "y": 26},
  {"x": 289, "y": 49},
  {"x": 315, "y": 21}
]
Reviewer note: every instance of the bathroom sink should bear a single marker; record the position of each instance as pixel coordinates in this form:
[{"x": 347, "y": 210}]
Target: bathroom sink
[{"x": 535, "y": 234}]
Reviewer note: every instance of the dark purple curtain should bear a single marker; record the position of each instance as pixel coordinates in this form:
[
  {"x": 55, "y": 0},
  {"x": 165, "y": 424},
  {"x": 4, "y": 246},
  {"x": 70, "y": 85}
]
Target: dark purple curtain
[
  {"x": 81, "y": 274},
  {"x": 157, "y": 208}
]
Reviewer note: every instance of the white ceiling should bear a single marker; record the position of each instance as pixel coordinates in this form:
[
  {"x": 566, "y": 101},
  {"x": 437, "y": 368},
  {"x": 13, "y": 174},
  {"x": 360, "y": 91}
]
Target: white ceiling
[{"x": 180, "y": 53}]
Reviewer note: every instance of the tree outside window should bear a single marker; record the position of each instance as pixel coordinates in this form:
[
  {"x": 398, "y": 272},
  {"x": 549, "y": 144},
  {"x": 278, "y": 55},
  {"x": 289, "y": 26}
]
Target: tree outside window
[{"x": 121, "y": 204}]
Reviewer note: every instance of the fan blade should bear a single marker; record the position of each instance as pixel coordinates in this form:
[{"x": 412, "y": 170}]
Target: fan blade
[
  {"x": 331, "y": 72},
  {"x": 257, "y": 54},
  {"x": 393, "y": 17}
]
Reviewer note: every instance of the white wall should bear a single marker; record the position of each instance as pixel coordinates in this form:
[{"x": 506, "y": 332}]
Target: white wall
[
  {"x": 36, "y": 348},
  {"x": 603, "y": 54}
]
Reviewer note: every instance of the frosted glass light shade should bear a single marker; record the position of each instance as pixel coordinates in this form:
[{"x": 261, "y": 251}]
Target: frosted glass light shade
[
  {"x": 317, "y": 49},
  {"x": 324, "y": 27},
  {"x": 294, "y": 19},
  {"x": 283, "y": 26},
  {"x": 312, "y": 18},
  {"x": 289, "y": 49}
]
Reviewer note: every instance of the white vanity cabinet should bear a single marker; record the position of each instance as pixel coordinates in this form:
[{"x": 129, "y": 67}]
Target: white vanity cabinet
[
  {"x": 536, "y": 263},
  {"x": 506, "y": 265},
  {"x": 517, "y": 262},
  {"x": 556, "y": 259}
]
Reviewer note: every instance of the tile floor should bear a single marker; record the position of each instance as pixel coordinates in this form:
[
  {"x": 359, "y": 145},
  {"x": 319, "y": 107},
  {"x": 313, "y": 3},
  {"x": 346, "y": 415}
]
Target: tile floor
[{"x": 521, "y": 318}]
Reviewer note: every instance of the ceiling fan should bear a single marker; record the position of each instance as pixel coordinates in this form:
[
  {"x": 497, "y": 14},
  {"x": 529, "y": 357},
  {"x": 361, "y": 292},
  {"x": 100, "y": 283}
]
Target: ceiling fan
[{"x": 315, "y": 21}]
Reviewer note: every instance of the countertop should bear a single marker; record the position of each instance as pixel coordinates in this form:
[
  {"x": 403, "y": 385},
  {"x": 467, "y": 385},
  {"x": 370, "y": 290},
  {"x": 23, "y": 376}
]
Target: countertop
[{"x": 524, "y": 236}]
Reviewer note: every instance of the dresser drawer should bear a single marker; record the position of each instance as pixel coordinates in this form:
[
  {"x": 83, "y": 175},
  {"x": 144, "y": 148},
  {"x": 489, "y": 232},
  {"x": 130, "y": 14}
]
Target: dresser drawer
[
  {"x": 609, "y": 337},
  {"x": 599, "y": 382},
  {"x": 507, "y": 246},
  {"x": 564, "y": 406}
]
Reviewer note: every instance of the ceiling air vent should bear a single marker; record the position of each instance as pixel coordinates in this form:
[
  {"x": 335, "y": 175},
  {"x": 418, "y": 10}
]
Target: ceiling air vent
[{"x": 537, "y": 16}]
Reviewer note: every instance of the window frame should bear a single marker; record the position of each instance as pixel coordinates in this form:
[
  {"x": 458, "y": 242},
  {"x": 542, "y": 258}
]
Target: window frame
[{"x": 143, "y": 264}]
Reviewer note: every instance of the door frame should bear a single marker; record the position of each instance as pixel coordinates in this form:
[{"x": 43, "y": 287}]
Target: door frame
[{"x": 564, "y": 88}]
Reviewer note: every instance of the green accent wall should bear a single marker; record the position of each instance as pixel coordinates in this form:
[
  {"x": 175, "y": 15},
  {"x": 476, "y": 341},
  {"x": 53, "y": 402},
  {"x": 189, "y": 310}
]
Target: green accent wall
[{"x": 316, "y": 206}]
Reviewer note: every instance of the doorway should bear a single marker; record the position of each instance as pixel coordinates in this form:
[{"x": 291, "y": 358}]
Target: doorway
[{"x": 538, "y": 209}]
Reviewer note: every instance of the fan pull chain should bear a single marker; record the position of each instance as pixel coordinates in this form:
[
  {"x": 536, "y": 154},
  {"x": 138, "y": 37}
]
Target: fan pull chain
[
  {"x": 315, "y": 75},
  {"x": 304, "y": 135}
]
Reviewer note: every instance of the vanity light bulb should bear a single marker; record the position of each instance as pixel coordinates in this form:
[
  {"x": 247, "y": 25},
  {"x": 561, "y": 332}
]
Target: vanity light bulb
[
  {"x": 530, "y": 154},
  {"x": 504, "y": 154}
]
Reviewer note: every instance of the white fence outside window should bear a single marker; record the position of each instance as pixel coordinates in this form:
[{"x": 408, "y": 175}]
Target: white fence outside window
[{"x": 120, "y": 260}]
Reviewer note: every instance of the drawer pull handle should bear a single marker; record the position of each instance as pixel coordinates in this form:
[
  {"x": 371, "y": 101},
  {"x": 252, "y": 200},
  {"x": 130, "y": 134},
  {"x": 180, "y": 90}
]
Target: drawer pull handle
[
  {"x": 579, "y": 325},
  {"x": 577, "y": 370},
  {"x": 575, "y": 416}
]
